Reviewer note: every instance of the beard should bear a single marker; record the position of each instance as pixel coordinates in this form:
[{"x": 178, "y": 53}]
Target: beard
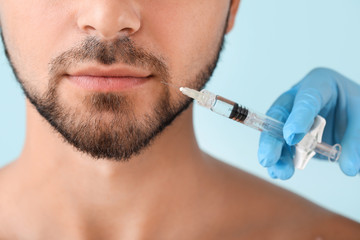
[{"x": 105, "y": 125}]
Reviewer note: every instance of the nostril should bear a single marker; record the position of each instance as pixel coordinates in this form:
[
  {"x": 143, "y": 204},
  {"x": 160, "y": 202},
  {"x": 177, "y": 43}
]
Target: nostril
[
  {"x": 128, "y": 31},
  {"x": 88, "y": 28}
]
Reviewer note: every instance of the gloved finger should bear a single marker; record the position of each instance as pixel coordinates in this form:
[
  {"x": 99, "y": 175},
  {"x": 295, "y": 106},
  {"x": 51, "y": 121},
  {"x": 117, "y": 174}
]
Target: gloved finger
[
  {"x": 284, "y": 168},
  {"x": 269, "y": 147},
  {"x": 350, "y": 157},
  {"x": 316, "y": 91},
  {"x": 269, "y": 150}
]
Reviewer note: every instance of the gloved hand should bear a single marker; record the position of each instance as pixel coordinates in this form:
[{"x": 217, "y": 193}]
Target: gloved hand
[{"x": 322, "y": 92}]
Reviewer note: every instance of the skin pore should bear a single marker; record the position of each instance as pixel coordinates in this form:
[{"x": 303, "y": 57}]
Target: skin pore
[{"x": 108, "y": 164}]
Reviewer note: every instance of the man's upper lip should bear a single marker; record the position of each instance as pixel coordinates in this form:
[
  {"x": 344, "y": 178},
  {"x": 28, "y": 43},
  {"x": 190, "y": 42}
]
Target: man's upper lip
[{"x": 113, "y": 71}]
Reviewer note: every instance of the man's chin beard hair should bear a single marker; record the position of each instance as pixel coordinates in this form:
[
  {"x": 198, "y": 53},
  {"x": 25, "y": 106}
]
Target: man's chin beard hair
[{"x": 111, "y": 139}]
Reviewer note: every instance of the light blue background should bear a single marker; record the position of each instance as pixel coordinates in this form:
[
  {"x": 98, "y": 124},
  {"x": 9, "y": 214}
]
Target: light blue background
[{"x": 273, "y": 45}]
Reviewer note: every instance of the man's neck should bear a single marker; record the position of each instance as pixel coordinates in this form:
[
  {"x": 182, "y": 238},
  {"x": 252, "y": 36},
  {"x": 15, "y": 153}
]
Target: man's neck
[{"x": 162, "y": 173}]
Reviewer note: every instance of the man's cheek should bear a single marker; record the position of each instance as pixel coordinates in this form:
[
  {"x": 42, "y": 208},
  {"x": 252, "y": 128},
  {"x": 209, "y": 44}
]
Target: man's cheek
[{"x": 30, "y": 70}]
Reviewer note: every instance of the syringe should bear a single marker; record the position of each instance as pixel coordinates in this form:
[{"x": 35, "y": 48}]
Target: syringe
[{"x": 259, "y": 122}]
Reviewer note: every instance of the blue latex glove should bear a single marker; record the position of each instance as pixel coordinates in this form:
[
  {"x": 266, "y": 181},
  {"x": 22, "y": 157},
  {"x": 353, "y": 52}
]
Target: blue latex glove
[{"x": 322, "y": 92}]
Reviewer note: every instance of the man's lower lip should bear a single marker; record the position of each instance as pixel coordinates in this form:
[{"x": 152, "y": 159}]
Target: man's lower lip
[{"x": 105, "y": 84}]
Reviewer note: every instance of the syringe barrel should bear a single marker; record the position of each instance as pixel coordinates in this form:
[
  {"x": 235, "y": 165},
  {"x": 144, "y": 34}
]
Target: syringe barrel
[
  {"x": 248, "y": 117},
  {"x": 265, "y": 124}
]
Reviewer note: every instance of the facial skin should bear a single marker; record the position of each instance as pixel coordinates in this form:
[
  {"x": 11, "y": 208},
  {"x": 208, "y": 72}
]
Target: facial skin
[{"x": 153, "y": 37}]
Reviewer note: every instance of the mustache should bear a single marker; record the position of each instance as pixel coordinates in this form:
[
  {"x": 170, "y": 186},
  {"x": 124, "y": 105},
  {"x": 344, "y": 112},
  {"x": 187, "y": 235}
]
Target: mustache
[{"x": 107, "y": 53}]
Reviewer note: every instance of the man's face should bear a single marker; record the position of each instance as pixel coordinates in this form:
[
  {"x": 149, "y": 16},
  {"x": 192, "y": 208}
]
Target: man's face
[{"x": 94, "y": 69}]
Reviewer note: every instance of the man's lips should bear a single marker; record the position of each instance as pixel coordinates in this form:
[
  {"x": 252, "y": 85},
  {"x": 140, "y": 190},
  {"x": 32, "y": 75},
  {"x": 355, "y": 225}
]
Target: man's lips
[{"x": 108, "y": 79}]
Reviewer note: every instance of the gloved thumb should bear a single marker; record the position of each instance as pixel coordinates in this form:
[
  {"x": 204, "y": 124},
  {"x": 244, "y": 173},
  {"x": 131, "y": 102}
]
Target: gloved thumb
[{"x": 350, "y": 157}]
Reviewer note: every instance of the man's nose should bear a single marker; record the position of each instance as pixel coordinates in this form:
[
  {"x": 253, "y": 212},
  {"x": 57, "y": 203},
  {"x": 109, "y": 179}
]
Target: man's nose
[{"x": 109, "y": 19}]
